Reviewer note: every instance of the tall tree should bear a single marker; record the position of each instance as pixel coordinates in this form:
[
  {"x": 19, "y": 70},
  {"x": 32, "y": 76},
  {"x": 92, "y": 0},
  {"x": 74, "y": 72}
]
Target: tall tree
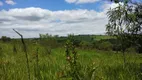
[{"x": 125, "y": 23}]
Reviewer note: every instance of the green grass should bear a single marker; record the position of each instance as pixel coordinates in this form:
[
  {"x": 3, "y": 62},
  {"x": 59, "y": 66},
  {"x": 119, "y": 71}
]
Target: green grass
[
  {"x": 100, "y": 37},
  {"x": 108, "y": 65}
]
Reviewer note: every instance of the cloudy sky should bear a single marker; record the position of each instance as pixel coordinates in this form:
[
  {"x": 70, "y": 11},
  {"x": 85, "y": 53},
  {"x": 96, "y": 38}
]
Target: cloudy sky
[{"x": 56, "y": 17}]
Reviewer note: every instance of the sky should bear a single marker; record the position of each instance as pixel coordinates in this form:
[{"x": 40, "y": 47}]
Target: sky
[{"x": 55, "y": 17}]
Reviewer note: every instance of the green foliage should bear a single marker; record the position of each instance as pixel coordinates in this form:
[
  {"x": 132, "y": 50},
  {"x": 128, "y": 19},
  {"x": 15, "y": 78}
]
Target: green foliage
[
  {"x": 14, "y": 49},
  {"x": 75, "y": 68},
  {"x": 71, "y": 57},
  {"x": 124, "y": 1},
  {"x": 5, "y": 39},
  {"x": 91, "y": 64},
  {"x": 85, "y": 45},
  {"x": 48, "y": 41},
  {"x": 102, "y": 37},
  {"x": 131, "y": 50},
  {"x": 139, "y": 44},
  {"x": 124, "y": 19},
  {"x": 76, "y": 63},
  {"x": 107, "y": 46},
  {"x": 124, "y": 23},
  {"x": 120, "y": 72},
  {"x": 1, "y": 52}
]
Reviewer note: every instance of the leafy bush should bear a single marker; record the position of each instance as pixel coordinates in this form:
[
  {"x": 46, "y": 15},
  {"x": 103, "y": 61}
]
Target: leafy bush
[
  {"x": 75, "y": 71},
  {"x": 84, "y": 44},
  {"x": 103, "y": 45},
  {"x": 5, "y": 39},
  {"x": 131, "y": 50}
]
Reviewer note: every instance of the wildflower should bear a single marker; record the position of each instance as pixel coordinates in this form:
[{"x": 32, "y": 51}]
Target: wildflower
[{"x": 68, "y": 58}]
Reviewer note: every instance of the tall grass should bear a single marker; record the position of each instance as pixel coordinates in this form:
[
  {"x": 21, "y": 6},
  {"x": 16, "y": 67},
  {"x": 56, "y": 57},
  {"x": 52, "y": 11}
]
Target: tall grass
[
  {"x": 26, "y": 53},
  {"x": 90, "y": 64}
]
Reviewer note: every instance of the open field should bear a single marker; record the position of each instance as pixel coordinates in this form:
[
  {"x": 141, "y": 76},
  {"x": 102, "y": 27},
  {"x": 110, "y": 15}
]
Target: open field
[
  {"x": 100, "y": 37},
  {"x": 92, "y": 64},
  {"x": 71, "y": 40}
]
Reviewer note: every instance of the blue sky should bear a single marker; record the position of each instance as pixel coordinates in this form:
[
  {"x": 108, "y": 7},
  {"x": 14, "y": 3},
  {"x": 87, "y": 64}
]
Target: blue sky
[
  {"x": 55, "y": 17},
  {"x": 52, "y": 5}
]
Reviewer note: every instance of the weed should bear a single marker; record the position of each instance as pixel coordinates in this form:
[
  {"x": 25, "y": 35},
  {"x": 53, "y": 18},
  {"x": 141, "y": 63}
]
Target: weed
[{"x": 26, "y": 53}]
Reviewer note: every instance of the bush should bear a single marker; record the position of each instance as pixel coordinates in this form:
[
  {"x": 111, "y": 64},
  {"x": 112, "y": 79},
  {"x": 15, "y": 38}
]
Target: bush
[
  {"x": 52, "y": 43},
  {"x": 85, "y": 45},
  {"x": 131, "y": 50},
  {"x": 5, "y": 39},
  {"x": 107, "y": 46}
]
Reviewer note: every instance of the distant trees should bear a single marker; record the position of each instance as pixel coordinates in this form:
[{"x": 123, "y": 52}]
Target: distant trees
[
  {"x": 48, "y": 42},
  {"x": 47, "y": 36},
  {"x": 5, "y": 38}
]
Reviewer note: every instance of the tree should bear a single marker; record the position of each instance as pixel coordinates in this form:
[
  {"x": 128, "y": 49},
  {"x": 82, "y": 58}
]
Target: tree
[
  {"x": 5, "y": 38},
  {"x": 117, "y": 1},
  {"x": 125, "y": 23},
  {"x": 138, "y": 12}
]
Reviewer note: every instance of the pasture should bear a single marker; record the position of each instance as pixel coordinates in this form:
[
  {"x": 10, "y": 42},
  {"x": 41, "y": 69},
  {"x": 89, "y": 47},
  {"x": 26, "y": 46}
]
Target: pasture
[{"x": 45, "y": 64}]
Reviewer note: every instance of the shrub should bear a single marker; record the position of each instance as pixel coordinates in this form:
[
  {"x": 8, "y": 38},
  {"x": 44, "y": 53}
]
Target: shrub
[
  {"x": 131, "y": 50},
  {"x": 84, "y": 44},
  {"x": 105, "y": 46},
  {"x": 5, "y": 39},
  {"x": 76, "y": 71}
]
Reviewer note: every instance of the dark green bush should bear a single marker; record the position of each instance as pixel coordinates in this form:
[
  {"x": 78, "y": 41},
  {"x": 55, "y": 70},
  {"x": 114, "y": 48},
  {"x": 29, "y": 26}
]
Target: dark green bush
[
  {"x": 103, "y": 45},
  {"x": 85, "y": 45},
  {"x": 131, "y": 50},
  {"x": 5, "y": 39}
]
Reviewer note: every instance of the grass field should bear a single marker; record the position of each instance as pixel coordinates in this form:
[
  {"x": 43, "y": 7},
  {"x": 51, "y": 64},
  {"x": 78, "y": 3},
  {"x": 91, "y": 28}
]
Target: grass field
[
  {"x": 100, "y": 37},
  {"x": 93, "y": 64}
]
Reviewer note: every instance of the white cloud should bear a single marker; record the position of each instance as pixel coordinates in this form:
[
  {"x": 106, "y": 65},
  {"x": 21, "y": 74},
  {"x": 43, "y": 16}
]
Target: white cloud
[
  {"x": 81, "y": 1},
  {"x": 86, "y": 1},
  {"x": 108, "y": 5},
  {"x": 32, "y": 21},
  {"x": 71, "y": 1},
  {"x": 11, "y": 2},
  {"x": 1, "y": 3}
]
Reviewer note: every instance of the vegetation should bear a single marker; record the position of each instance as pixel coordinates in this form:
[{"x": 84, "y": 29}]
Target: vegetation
[
  {"x": 5, "y": 39},
  {"x": 68, "y": 62},
  {"x": 116, "y": 56},
  {"x": 125, "y": 24}
]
